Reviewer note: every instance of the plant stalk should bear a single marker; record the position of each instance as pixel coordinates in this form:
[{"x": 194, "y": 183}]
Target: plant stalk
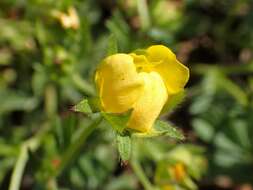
[
  {"x": 31, "y": 144},
  {"x": 141, "y": 175}
]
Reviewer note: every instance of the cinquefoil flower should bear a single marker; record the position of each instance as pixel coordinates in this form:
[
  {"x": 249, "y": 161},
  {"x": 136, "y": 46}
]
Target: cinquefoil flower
[{"x": 142, "y": 83}]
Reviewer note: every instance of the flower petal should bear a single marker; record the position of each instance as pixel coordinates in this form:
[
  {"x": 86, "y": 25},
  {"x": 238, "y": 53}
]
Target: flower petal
[
  {"x": 118, "y": 83},
  {"x": 174, "y": 73},
  {"x": 149, "y": 105}
]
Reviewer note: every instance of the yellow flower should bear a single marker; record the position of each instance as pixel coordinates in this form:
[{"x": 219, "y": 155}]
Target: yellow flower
[
  {"x": 178, "y": 171},
  {"x": 69, "y": 19},
  {"x": 141, "y": 83}
]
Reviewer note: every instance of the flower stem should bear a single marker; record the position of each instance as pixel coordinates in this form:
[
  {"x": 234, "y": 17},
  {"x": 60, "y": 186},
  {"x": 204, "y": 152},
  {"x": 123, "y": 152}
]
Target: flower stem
[
  {"x": 141, "y": 175},
  {"x": 76, "y": 146},
  {"x": 31, "y": 144},
  {"x": 143, "y": 13}
]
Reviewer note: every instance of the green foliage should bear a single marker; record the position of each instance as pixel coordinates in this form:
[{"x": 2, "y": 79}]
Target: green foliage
[
  {"x": 223, "y": 119},
  {"x": 112, "y": 45},
  {"x": 182, "y": 164}
]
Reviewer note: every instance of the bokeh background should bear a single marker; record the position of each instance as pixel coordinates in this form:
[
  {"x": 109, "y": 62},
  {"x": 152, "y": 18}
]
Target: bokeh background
[{"x": 48, "y": 53}]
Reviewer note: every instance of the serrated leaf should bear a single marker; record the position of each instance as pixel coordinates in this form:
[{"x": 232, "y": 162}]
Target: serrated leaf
[
  {"x": 124, "y": 146},
  {"x": 118, "y": 122},
  {"x": 83, "y": 107},
  {"x": 162, "y": 128},
  {"x": 168, "y": 130}
]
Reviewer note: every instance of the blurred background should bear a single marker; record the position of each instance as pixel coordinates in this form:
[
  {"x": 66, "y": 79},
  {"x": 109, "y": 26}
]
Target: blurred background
[{"x": 48, "y": 53}]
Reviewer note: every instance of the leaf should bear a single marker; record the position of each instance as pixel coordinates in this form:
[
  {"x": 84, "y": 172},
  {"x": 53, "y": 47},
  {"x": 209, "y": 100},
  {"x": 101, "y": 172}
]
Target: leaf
[
  {"x": 39, "y": 80},
  {"x": 112, "y": 45},
  {"x": 124, "y": 146},
  {"x": 233, "y": 89},
  {"x": 201, "y": 104},
  {"x": 204, "y": 129},
  {"x": 168, "y": 130},
  {"x": 226, "y": 159},
  {"x": 224, "y": 142},
  {"x": 13, "y": 101},
  {"x": 83, "y": 107},
  {"x": 118, "y": 122},
  {"x": 162, "y": 128},
  {"x": 242, "y": 132}
]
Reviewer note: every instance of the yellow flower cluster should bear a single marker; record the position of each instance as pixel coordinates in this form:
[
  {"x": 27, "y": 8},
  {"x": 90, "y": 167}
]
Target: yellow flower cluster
[
  {"x": 69, "y": 19},
  {"x": 142, "y": 83}
]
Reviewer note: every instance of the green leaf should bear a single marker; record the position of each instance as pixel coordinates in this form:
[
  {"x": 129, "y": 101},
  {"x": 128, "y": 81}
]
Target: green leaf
[
  {"x": 112, "y": 45},
  {"x": 39, "y": 80},
  {"x": 118, "y": 122},
  {"x": 204, "y": 129},
  {"x": 242, "y": 132},
  {"x": 233, "y": 89},
  {"x": 13, "y": 101},
  {"x": 124, "y": 146},
  {"x": 83, "y": 107},
  {"x": 162, "y": 128},
  {"x": 168, "y": 130}
]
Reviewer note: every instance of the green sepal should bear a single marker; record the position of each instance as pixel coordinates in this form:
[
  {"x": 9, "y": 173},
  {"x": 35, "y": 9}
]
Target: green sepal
[
  {"x": 161, "y": 128},
  {"x": 95, "y": 104},
  {"x": 83, "y": 107},
  {"x": 117, "y": 121},
  {"x": 140, "y": 52},
  {"x": 124, "y": 146}
]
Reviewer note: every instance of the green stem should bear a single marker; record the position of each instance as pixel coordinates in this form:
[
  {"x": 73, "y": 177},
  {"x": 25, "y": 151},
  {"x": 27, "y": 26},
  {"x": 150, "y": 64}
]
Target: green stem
[
  {"x": 31, "y": 144},
  {"x": 19, "y": 168},
  {"x": 141, "y": 175},
  {"x": 76, "y": 146},
  {"x": 232, "y": 69}
]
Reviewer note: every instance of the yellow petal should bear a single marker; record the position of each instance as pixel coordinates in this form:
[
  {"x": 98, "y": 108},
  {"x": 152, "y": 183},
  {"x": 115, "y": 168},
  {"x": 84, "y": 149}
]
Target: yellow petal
[
  {"x": 150, "y": 103},
  {"x": 174, "y": 73},
  {"x": 73, "y": 16},
  {"x": 140, "y": 60},
  {"x": 179, "y": 171},
  {"x": 118, "y": 83}
]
